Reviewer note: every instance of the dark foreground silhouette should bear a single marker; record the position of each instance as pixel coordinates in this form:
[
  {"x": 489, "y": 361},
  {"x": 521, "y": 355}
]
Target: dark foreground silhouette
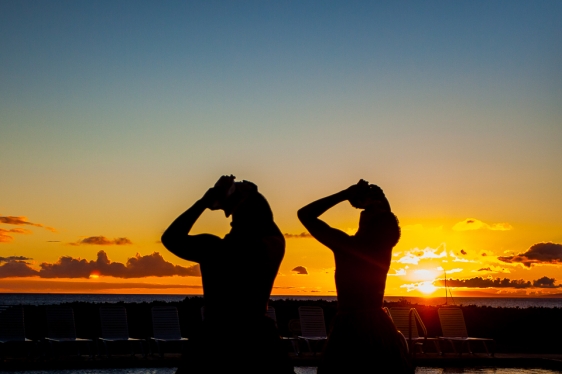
[
  {"x": 238, "y": 272},
  {"x": 363, "y": 337}
]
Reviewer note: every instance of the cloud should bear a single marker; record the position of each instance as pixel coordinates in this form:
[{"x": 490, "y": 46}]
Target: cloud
[
  {"x": 301, "y": 270},
  {"x": 425, "y": 286},
  {"x": 302, "y": 235},
  {"x": 152, "y": 265},
  {"x": 5, "y": 236},
  {"x": 545, "y": 282},
  {"x": 455, "y": 270},
  {"x": 14, "y": 258},
  {"x": 479, "y": 282},
  {"x": 540, "y": 253},
  {"x": 10, "y": 220},
  {"x": 475, "y": 224},
  {"x": 102, "y": 240},
  {"x": 397, "y": 272},
  {"x": 16, "y": 266},
  {"x": 415, "y": 255},
  {"x": 45, "y": 285},
  {"x": 17, "y": 269},
  {"x": 493, "y": 269}
]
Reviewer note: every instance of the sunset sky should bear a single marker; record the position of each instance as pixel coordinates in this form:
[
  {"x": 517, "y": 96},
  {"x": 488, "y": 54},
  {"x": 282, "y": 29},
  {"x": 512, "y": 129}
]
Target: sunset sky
[{"x": 115, "y": 116}]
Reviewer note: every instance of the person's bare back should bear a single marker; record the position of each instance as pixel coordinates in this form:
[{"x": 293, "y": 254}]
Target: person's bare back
[{"x": 237, "y": 272}]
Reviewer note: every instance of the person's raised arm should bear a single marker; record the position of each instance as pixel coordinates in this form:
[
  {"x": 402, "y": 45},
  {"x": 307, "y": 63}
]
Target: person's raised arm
[
  {"x": 320, "y": 230},
  {"x": 176, "y": 238}
]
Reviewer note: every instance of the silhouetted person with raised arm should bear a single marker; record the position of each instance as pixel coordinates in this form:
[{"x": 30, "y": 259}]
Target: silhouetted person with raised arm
[
  {"x": 237, "y": 273},
  {"x": 363, "y": 338}
]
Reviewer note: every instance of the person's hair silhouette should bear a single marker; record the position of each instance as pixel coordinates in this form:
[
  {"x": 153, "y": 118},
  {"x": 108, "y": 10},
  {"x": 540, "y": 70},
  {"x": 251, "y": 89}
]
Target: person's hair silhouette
[
  {"x": 363, "y": 337},
  {"x": 237, "y": 273}
]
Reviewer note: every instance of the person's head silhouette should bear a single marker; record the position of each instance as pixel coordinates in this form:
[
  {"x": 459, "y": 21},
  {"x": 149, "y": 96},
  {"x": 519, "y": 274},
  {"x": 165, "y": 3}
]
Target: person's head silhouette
[{"x": 376, "y": 220}]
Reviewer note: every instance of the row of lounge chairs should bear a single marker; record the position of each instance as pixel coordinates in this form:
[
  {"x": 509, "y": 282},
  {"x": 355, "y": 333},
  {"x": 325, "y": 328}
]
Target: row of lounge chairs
[
  {"x": 406, "y": 321},
  {"x": 310, "y": 328},
  {"x": 453, "y": 327},
  {"x": 114, "y": 328}
]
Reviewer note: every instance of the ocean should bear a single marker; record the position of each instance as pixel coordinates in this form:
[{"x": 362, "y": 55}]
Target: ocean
[{"x": 52, "y": 299}]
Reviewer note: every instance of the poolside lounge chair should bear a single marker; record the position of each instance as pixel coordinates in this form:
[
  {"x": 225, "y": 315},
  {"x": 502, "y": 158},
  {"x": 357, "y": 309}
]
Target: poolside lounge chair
[
  {"x": 313, "y": 326},
  {"x": 12, "y": 327},
  {"x": 406, "y": 321},
  {"x": 61, "y": 329},
  {"x": 165, "y": 326},
  {"x": 271, "y": 313},
  {"x": 114, "y": 328},
  {"x": 454, "y": 330}
]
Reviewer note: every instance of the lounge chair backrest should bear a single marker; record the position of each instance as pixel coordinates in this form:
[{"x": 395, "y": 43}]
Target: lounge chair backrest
[
  {"x": 165, "y": 322},
  {"x": 60, "y": 322},
  {"x": 271, "y": 313},
  {"x": 113, "y": 320},
  {"x": 403, "y": 319},
  {"x": 452, "y": 322},
  {"x": 312, "y": 321},
  {"x": 12, "y": 327}
]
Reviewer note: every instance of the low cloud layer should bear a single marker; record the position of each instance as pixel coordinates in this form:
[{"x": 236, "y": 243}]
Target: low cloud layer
[
  {"x": 14, "y": 258},
  {"x": 102, "y": 240},
  {"x": 152, "y": 265},
  {"x": 540, "y": 253},
  {"x": 300, "y": 270},
  {"x": 11, "y": 220},
  {"x": 6, "y": 237},
  {"x": 475, "y": 224},
  {"x": 45, "y": 285},
  {"x": 479, "y": 282},
  {"x": 302, "y": 235}
]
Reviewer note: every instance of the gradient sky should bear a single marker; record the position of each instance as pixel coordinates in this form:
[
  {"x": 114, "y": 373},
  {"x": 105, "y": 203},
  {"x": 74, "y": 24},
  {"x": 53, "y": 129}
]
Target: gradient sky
[{"x": 115, "y": 116}]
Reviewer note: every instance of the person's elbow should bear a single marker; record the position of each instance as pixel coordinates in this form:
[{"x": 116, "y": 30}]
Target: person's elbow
[
  {"x": 304, "y": 217},
  {"x": 168, "y": 241}
]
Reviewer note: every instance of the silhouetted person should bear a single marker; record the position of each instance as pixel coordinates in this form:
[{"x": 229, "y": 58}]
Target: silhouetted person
[
  {"x": 237, "y": 273},
  {"x": 363, "y": 338}
]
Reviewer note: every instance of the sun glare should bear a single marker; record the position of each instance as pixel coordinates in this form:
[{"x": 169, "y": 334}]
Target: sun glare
[
  {"x": 427, "y": 287},
  {"x": 94, "y": 276}
]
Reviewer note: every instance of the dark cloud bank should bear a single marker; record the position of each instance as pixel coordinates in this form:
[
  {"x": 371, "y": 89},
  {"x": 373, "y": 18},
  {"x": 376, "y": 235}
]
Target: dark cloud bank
[
  {"x": 300, "y": 270},
  {"x": 479, "y": 282},
  {"x": 302, "y": 235},
  {"x": 152, "y": 265},
  {"x": 102, "y": 240},
  {"x": 540, "y": 253}
]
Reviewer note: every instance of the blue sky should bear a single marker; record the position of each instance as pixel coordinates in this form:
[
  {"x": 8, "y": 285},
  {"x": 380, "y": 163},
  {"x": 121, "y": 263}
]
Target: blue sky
[{"x": 115, "y": 115}]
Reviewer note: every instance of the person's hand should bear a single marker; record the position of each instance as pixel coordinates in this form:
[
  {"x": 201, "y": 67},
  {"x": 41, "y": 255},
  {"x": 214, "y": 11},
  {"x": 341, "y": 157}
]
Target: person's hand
[
  {"x": 214, "y": 197},
  {"x": 210, "y": 199},
  {"x": 360, "y": 187},
  {"x": 357, "y": 194},
  {"x": 224, "y": 183}
]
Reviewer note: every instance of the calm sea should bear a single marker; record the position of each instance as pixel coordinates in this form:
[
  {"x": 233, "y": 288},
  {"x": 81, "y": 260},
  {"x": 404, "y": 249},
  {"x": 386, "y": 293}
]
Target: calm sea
[{"x": 51, "y": 299}]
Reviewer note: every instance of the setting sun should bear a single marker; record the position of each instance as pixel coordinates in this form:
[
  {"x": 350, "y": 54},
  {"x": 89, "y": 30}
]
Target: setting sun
[{"x": 427, "y": 287}]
